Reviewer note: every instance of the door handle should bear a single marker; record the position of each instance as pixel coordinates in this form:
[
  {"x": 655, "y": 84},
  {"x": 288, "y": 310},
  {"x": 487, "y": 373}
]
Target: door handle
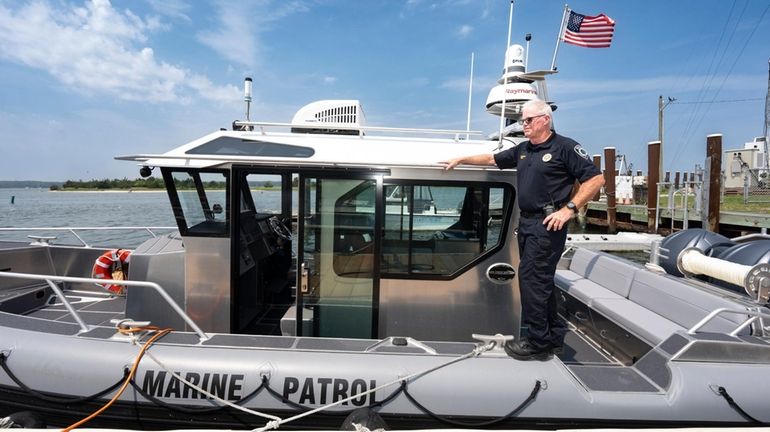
[{"x": 303, "y": 282}]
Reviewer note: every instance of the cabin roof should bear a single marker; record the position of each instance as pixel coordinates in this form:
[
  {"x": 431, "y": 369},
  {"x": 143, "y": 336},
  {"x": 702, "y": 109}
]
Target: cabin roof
[{"x": 223, "y": 147}]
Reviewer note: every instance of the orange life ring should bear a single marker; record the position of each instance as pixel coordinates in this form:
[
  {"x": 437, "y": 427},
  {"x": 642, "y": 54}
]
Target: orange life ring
[{"x": 112, "y": 264}]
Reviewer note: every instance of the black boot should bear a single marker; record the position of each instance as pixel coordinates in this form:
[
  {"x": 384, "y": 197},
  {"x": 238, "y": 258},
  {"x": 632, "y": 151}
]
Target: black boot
[{"x": 523, "y": 350}]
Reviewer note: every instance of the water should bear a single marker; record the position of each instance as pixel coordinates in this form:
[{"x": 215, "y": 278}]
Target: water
[{"x": 43, "y": 208}]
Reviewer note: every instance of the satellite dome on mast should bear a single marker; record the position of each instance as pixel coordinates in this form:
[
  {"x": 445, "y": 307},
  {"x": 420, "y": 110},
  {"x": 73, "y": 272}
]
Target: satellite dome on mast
[{"x": 516, "y": 85}]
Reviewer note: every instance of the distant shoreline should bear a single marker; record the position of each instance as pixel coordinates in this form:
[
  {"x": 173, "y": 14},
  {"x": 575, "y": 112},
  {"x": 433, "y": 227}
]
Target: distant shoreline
[
  {"x": 140, "y": 190},
  {"x": 109, "y": 190},
  {"x": 133, "y": 190}
]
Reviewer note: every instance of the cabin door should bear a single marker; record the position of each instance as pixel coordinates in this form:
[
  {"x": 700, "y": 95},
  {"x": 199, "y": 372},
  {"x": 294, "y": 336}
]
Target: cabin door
[{"x": 338, "y": 273}]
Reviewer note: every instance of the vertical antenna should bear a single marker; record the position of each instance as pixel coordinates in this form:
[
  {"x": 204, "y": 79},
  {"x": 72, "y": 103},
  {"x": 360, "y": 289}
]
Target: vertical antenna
[
  {"x": 247, "y": 96},
  {"x": 505, "y": 79},
  {"x": 470, "y": 97}
]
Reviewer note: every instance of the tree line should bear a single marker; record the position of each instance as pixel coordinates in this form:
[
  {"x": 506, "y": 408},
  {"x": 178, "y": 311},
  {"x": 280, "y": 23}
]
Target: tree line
[
  {"x": 124, "y": 183},
  {"x": 150, "y": 183}
]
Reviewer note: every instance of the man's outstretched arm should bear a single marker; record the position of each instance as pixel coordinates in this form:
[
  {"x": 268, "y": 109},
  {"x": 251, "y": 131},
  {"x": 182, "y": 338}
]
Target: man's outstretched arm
[{"x": 480, "y": 159}]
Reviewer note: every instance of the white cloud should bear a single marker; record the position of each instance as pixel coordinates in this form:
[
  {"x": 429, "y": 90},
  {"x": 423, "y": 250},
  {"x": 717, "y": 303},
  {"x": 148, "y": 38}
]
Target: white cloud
[
  {"x": 176, "y": 9},
  {"x": 240, "y": 25},
  {"x": 412, "y": 6},
  {"x": 97, "y": 49},
  {"x": 329, "y": 80},
  {"x": 464, "y": 31}
]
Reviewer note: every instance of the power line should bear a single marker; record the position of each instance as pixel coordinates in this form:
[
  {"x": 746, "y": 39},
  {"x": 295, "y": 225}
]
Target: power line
[
  {"x": 691, "y": 125},
  {"x": 711, "y": 70},
  {"x": 718, "y": 101}
]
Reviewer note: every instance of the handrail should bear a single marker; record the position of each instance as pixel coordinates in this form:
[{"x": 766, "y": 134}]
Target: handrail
[
  {"x": 684, "y": 192},
  {"x": 72, "y": 230},
  {"x": 755, "y": 315},
  {"x": 50, "y": 278},
  {"x": 356, "y": 128}
]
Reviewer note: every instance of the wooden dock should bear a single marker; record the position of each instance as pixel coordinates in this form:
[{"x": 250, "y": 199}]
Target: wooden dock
[
  {"x": 634, "y": 218},
  {"x": 605, "y": 211}
]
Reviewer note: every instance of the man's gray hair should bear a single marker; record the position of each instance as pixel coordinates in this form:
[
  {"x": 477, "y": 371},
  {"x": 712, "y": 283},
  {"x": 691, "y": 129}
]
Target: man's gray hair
[{"x": 538, "y": 107}]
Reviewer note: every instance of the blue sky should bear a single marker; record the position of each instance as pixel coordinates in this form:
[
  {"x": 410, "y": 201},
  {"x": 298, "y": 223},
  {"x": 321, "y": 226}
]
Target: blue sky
[{"x": 84, "y": 81}]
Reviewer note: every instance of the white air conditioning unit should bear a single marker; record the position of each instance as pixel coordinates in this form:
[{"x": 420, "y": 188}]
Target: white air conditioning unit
[{"x": 344, "y": 117}]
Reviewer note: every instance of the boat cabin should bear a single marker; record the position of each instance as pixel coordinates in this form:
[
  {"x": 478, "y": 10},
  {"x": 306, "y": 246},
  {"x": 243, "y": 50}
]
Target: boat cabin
[{"x": 317, "y": 232}]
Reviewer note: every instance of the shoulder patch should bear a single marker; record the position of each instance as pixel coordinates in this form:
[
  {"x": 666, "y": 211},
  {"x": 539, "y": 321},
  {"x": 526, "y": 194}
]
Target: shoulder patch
[{"x": 581, "y": 151}]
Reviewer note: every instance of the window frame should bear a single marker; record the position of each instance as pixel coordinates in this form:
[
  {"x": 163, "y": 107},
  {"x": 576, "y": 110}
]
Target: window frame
[
  {"x": 509, "y": 198},
  {"x": 176, "y": 204}
]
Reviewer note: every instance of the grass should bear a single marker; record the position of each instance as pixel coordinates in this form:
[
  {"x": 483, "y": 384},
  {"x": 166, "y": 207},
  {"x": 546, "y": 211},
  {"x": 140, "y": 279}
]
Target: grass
[{"x": 732, "y": 203}]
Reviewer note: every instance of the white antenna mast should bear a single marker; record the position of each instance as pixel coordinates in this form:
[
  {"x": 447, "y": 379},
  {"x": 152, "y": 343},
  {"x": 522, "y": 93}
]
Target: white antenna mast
[
  {"x": 505, "y": 83},
  {"x": 247, "y": 96},
  {"x": 470, "y": 97}
]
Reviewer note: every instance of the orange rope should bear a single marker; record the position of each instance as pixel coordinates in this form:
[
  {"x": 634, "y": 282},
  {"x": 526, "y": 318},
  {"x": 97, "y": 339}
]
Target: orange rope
[{"x": 134, "y": 367}]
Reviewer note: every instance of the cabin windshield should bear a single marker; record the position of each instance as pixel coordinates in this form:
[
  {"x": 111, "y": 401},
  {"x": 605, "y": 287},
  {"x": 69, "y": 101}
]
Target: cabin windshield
[{"x": 200, "y": 202}]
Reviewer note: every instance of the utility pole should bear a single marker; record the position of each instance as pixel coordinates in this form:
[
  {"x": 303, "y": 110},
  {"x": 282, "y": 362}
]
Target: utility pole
[
  {"x": 767, "y": 120},
  {"x": 661, "y": 107}
]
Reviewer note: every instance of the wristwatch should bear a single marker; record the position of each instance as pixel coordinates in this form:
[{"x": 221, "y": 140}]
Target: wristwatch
[{"x": 571, "y": 205}]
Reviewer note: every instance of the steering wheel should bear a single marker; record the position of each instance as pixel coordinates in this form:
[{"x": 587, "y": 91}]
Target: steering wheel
[{"x": 279, "y": 228}]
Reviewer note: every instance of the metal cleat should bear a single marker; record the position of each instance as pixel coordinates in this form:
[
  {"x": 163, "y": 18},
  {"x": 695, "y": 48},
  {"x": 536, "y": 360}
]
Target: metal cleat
[
  {"x": 128, "y": 323},
  {"x": 499, "y": 340},
  {"x": 41, "y": 240}
]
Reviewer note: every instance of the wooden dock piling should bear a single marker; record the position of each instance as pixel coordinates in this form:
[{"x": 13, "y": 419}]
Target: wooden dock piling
[
  {"x": 598, "y": 164},
  {"x": 714, "y": 171},
  {"x": 653, "y": 178},
  {"x": 609, "y": 189}
]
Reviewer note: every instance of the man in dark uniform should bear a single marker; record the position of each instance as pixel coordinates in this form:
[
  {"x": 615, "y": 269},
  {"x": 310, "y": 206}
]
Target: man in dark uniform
[{"x": 548, "y": 166}]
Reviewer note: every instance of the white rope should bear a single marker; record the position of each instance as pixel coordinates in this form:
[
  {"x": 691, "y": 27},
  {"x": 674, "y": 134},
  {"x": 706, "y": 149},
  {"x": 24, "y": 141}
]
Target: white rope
[
  {"x": 362, "y": 428},
  {"x": 212, "y": 396},
  {"x": 475, "y": 353},
  {"x": 195, "y": 387},
  {"x": 695, "y": 262},
  {"x": 6, "y": 423},
  {"x": 275, "y": 422}
]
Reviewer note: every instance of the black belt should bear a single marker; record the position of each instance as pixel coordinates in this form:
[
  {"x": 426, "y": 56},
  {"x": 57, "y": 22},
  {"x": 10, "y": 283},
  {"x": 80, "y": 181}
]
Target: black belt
[
  {"x": 532, "y": 215},
  {"x": 538, "y": 214}
]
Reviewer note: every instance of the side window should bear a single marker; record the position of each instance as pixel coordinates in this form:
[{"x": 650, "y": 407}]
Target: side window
[
  {"x": 436, "y": 230},
  {"x": 354, "y": 231},
  {"x": 203, "y": 205},
  {"x": 429, "y": 230}
]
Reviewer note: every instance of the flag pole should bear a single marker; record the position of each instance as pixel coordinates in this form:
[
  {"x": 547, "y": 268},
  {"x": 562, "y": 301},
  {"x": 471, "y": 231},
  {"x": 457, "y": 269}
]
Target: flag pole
[
  {"x": 505, "y": 79},
  {"x": 559, "y": 37}
]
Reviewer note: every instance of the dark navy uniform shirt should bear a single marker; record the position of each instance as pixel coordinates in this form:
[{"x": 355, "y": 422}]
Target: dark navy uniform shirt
[{"x": 547, "y": 171}]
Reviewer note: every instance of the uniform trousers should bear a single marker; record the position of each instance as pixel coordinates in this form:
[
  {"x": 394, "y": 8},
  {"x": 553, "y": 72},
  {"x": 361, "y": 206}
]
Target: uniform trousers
[{"x": 540, "y": 251}]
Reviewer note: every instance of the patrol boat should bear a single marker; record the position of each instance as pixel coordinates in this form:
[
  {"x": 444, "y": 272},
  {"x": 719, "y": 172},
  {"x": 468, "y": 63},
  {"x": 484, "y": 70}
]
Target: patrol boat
[{"x": 356, "y": 313}]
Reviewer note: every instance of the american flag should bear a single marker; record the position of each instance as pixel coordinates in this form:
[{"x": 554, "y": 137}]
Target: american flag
[{"x": 589, "y": 31}]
